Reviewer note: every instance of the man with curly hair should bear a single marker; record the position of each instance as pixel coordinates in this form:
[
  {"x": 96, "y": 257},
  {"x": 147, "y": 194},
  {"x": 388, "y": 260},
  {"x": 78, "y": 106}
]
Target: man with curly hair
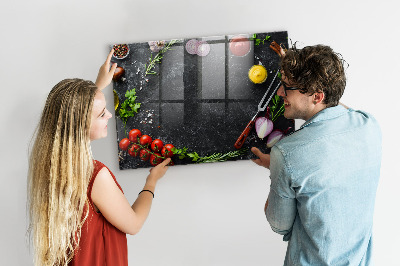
[{"x": 324, "y": 176}]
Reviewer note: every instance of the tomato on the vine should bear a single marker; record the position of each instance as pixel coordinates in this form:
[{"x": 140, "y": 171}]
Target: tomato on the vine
[
  {"x": 124, "y": 144},
  {"x": 155, "y": 159},
  {"x": 144, "y": 154},
  {"x": 157, "y": 145},
  {"x": 145, "y": 140},
  {"x": 134, "y": 150},
  {"x": 167, "y": 150},
  {"x": 134, "y": 134}
]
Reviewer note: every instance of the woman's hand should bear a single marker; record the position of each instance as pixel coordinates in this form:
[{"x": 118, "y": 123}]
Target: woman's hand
[
  {"x": 264, "y": 159},
  {"x": 105, "y": 73},
  {"x": 158, "y": 171}
]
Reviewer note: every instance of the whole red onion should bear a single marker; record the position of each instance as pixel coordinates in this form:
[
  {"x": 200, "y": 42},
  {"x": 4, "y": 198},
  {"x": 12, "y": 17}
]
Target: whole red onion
[{"x": 119, "y": 72}]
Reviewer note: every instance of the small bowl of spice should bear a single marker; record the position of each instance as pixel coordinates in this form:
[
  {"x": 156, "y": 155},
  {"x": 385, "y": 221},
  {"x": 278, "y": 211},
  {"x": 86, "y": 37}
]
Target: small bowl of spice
[{"x": 121, "y": 51}]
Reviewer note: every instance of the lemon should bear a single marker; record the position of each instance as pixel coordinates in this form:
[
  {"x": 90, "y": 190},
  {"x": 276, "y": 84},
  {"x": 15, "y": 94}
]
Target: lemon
[{"x": 257, "y": 74}]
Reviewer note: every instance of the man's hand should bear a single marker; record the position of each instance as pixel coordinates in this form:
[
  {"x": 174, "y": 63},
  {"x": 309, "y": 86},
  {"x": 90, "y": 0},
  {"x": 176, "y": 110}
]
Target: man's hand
[
  {"x": 264, "y": 159},
  {"x": 105, "y": 73}
]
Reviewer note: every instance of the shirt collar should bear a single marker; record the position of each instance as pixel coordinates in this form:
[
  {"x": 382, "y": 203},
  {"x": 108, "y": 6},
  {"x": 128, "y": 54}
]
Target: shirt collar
[{"x": 326, "y": 114}]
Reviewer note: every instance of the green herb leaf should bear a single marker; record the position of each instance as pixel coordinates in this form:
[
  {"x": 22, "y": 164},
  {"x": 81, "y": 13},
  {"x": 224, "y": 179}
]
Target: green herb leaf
[
  {"x": 277, "y": 108},
  {"x": 129, "y": 107}
]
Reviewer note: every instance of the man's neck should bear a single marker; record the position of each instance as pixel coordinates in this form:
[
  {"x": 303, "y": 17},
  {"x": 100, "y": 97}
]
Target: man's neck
[{"x": 318, "y": 108}]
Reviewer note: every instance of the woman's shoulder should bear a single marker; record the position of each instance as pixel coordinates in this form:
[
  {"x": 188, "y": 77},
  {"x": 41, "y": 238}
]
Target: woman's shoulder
[
  {"x": 101, "y": 168},
  {"x": 97, "y": 164}
]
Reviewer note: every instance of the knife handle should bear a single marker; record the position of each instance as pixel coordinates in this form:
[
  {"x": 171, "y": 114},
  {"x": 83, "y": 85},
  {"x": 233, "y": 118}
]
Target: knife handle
[{"x": 243, "y": 136}]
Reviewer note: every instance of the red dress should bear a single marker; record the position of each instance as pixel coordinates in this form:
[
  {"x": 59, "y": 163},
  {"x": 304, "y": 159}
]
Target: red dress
[{"x": 101, "y": 243}]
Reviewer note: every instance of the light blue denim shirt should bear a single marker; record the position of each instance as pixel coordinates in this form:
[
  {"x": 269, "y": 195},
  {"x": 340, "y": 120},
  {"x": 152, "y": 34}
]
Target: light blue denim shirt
[{"x": 323, "y": 183}]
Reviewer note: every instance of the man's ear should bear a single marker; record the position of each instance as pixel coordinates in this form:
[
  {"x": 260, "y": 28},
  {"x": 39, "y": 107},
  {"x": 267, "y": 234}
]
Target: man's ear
[{"x": 318, "y": 97}]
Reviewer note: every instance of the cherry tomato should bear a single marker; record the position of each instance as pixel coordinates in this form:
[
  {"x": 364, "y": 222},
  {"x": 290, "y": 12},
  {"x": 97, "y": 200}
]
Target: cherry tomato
[
  {"x": 155, "y": 159},
  {"x": 134, "y": 134},
  {"x": 144, "y": 154},
  {"x": 145, "y": 140},
  {"x": 134, "y": 150},
  {"x": 157, "y": 145},
  {"x": 124, "y": 144},
  {"x": 171, "y": 163},
  {"x": 167, "y": 150}
]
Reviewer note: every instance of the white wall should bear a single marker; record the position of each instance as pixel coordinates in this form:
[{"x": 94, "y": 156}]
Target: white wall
[{"x": 202, "y": 215}]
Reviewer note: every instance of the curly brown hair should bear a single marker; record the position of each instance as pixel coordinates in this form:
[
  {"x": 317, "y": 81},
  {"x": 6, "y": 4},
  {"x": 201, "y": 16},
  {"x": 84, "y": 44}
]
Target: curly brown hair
[{"x": 316, "y": 69}]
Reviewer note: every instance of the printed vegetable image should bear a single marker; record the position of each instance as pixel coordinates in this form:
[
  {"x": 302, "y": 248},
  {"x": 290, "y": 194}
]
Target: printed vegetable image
[
  {"x": 119, "y": 72},
  {"x": 276, "y": 108},
  {"x": 167, "y": 150},
  {"x": 138, "y": 145},
  {"x": 191, "y": 46},
  {"x": 129, "y": 107},
  {"x": 156, "y": 46},
  {"x": 157, "y": 145},
  {"x": 145, "y": 140},
  {"x": 274, "y": 137},
  {"x": 124, "y": 144},
  {"x": 145, "y": 148},
  {"x": 157, "y": 58},
  {"x": 189, "y": 99},
  {"x": 216, "y": 157},
  {"x": 257, "y": 41},
  {"x": 263, "y": 126},
  {"x": 155, "y": 159},
  {"x": 144, "y": 154},
  {"x": 134, "y": 135},
  {"x": 203, "y": 48},
  {"x": 239, "y": 45},
  {"x": 134, "y": 150}
]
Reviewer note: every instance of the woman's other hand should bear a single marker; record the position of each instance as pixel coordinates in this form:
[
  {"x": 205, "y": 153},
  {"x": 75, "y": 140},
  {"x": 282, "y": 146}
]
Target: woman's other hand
[
  {"x": 105, "y": 73},
  {"x": 158, "y": 171}
]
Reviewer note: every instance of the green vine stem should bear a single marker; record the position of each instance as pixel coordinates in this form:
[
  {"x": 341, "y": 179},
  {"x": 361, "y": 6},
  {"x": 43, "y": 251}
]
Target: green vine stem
[{"x": 148, "y": 148}]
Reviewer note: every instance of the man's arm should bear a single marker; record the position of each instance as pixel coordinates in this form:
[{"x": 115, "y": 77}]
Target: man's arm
[{"x": 280, "y": 208}]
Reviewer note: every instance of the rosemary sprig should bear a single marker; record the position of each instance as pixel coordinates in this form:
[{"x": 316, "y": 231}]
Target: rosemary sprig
[
  {"x": 215, "y": 157},
  {"x": 157, "y": 59},
  {"x": 222, "y": 157}
]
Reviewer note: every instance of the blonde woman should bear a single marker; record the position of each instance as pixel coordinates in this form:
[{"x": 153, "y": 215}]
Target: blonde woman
[{"x": 78, "y": 212}]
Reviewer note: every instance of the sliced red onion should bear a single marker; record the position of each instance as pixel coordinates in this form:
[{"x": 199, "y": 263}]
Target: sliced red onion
[
  {"x": 263, "y": 127},
  {"x": 191, "y": 46},
  {"x": 274, "y": 137},
  {"x": 203, "y": 49}
]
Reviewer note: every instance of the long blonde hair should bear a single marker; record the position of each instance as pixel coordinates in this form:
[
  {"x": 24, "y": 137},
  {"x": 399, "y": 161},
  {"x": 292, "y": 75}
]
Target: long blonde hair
[{"x": 60, "y": 168}]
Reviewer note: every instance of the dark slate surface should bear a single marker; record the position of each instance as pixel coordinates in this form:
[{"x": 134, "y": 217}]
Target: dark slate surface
[{"x": 202, "y": 103}]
